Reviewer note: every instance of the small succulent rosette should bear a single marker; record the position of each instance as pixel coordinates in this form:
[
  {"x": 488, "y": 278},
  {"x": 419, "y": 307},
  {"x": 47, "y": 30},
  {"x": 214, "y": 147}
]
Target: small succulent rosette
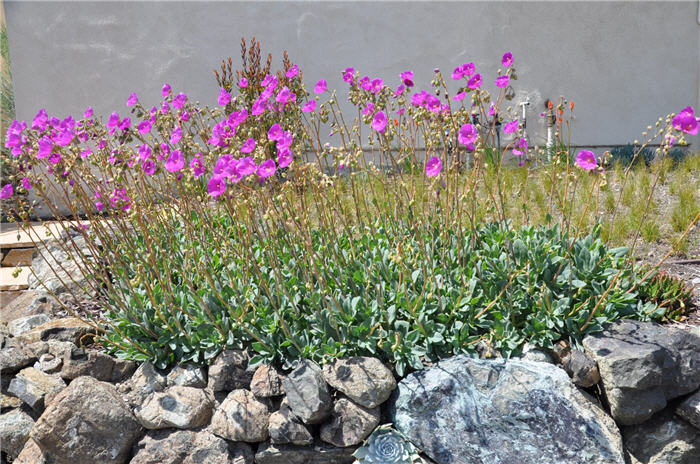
[{"x": 386, "y": 446}]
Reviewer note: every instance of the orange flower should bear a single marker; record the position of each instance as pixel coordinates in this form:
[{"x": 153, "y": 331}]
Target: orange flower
[
  {"x": 550, "y": 105},
  {"x": 396, "y": 122},
  {"x": 571, "y": 105}
]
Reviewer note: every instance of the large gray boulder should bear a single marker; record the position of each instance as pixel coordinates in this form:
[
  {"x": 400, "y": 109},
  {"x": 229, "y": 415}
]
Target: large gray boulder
[
  {"x": 307, "y": 393},
  {"x": 241, "y": 417},
  {"x": 178, "y": 407},
  {"x": 189, "y": 447},
  {"x": 350, "y": 423},
  {"x": 664, "y": 439},
  {"x": 14, "y": 431},
  {"x": 465, "y": 410},
  {"x": 364, "y": 380},
  {"x": 286, "y": 428},
  {"x": 643, "y": 365},
  {"x": 37, "y": 389},
  {"x": 229, "y": 371},
  {"x": 87, "y": 422}
]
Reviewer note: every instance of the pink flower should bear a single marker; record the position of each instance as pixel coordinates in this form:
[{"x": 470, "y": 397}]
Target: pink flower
[
  {"x": 502, "y": 81},
  {"x": 457, "y": 73},
  {"x": 586, "y": 160},
  {"x": 511, "y": 127},
  {"x": 40, "y": 120},
  {"x": 293, "y": 71},
  {"x": 133, "y": 99},
  {"x": 520, "y": 147},
  {"x": 433, "y": 167},
  {"x": 175, "y": 161},
  {"x": 216, "y": 186},
  {"x": 165, "y": 91},
  {"x": 266, "y": 169},
  {"x": 224, "y": 97},
  {"x": 467, "y": 134},
  {"x": 176, "y": 136},
  {"x": 310, "y": 107},
  {"x": 468, "y": 69},
  {"x": 165, "y": 107},
  {"x": 88, "y": 112},
  {"x": 379, "y": 121},
  {"x": 399, "y": 90},
  {"x": 149, "y": 167},
  {"x": 197, "y": 165},
  {"x": 184, "y": 116},
  {"x": 492, "y": 109},
  {"x": 246, "y": 166},
  {"x": 369, "y": 109},
  {"x": 26, "y": 184},
  {"x": 284, "y": 157},
  {"x": 285, "y": 141},
  {"x": 99, "y": 205},
  {"x": 284, "y": 96},
  {"x": 145, "y": 152},
  {"x": 376, "y": 85},
  {"x": 474, "y": 82},
  {"x": 7, "y": 191},
  {"x": 144, "y": 127},
  {"x": 432, "y": 104},
  {"x": 460, "y": 96},
  {"x": 45, "y": 147},
  {"x": 275, "y": 132},
  {"x": 243, "y": 83},
  {"x": 55, "y": 158},
  {"x": 507, "y": 59},
  {"x": 258, "y": 107},
  {"x": 113, "y": 120},
  {"x": 685, "y": 121},
  {"x": 348, "y": 75},
  {"x": 407, "y": 78},
  {"x": 365, "y": 83},
  {"x": 248, "y": 146},
  {"x": 180, "y": 100},
  {"x": 321, "y": 86},
  {"x": 418, "y": 99}
]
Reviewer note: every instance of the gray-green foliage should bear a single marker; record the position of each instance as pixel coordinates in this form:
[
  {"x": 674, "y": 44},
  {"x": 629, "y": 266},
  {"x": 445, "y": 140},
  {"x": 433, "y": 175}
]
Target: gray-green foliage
[{"x": 404, "y": 293}]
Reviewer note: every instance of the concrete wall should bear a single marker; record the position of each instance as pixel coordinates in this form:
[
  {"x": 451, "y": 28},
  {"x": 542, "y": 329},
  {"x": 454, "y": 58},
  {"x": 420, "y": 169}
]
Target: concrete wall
[{"x": 623, "y": 63}]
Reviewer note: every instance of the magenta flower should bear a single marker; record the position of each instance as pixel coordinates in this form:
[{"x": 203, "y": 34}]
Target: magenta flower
[
  {"x": 460, "y": 96},
  {"x": 224, "y": 97},
  {"x": 275, "y": 132},
  {"x": 148, "y": 167},
  {"x": 99, "y": 205},
  {"x": 474, "y": 82},
  {"x": 284, "y": 95},
  {"x": 285, "y": 141},
  {"x": 55, "y": 158},
  {"x": 507, "y": 59},
  {"x": 175, "y": 161},
  {"x": 520, "y": 147},
  {"x": 45, "y": 147},
  {"x": 64, "y": 137},
  {"x": 165, "y": 91},
  {"x": 113, "y": 120},
  {"x": 433, "y": 104},
  {"x": 685, "y": 121},
  {"x": 407, "y": 78},
  {"x": 321, "y": 86},
  {"x": 586, "y": 160},
  {"x": 433, "y": 167},
  {"x": 26, "y": 184},
  {"x": 88, "y": 112},
  {"x": 197, "y": 165},
  {"x": 399, "y": 90},
  {"x": 40, "y": 120},
  {"x": 243, "y": 83},
  {"x": 216, "y": 186},
  {"x": 180, "y": 100},
  {"x": 248, "y": 146},
  {"x": 144, "y": 127},
  {"x": 365, "y": 83},
  {"x": 511, "y": 127},
  {"x": 258, "y": 107},
  {"x": 266, "y": 169},
  {"x": 348, "y": 75},
  {"x": 468, "y": 69},
  {"x": 284, "y": 157},
  {"x": 184, "y": 116},
  {"x": 310, "y": 107},
  {"x": 7, "y": 191},
  {"x": 165, "y": 107},
  {"x": 246, "y": 166},
  {"x": 133, "y": 99},
  {"x": 502, "y": 81},
  {"x": 467, "y": 134},
  {"x": 125, "y": 124},
  {"x": 457, "y": 73},
  {"x": 222, "y": 164},
  {"x": 376, "y": 85},
  {"x": 418, "y": 99},
  {"x": 145, "y": 152},
  {"x": 369, "y": 109},
  {"x": 176, "y": 135},
  {"x": 379, "y": 121},
  {"x": 293, "y": 71}
]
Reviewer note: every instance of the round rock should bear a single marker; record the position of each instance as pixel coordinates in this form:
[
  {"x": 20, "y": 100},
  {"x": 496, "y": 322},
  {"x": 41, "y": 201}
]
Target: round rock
[{"x": 364, "y": 380}]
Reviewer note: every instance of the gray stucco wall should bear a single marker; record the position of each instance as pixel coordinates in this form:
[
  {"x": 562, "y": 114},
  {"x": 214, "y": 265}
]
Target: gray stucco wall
[{"x": 623, "y": 63}]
